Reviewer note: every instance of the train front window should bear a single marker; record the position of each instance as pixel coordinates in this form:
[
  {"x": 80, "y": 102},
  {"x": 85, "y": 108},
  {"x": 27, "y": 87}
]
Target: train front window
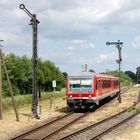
[
  {"x": 74, "y": 83},
  {"x": 80, "y": 84}
]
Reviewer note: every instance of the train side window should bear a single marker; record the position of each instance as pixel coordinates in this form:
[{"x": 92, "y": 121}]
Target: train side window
[
  {"x": 97, "y": 83},
  {"x": 103, "y": 84},
  {"x": 106, "y": 84},
  {"x": 115, "y": 83}
]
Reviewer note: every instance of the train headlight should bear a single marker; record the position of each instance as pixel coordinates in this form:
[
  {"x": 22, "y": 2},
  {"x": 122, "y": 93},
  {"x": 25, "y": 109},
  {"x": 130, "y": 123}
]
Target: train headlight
[
  {"x": 70, "y": 95},
  {"x": 89, "y": 96}
]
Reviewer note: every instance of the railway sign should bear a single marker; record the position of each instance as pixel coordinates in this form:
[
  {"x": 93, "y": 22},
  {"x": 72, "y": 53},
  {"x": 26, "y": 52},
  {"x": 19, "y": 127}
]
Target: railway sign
[{"x": 54, "y": 83}]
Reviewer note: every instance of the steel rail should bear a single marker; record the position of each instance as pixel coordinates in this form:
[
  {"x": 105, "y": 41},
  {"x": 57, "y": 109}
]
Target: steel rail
[
  {"x": 53, "y": 121},
  {"x": 40, "y": 127},
  {"x": 64, "y": 127},
  {"x": 95, "y": 124},
  {"x": 127, "y": 88},
  {"x": 114, "y": 127},
  {"x": 100, "y": 122},
  {"x": 30, "y": 135},
  {"x": 102, "y": 106}
]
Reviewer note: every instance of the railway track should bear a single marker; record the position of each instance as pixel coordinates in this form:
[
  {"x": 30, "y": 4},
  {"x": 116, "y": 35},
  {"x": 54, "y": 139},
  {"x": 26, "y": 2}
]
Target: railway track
[
  {"x": 126, "y": 88},
  {"x": 97, "y": 130},
  {"x": 101, "y": 128},
  {"x": 48, "y": 130}
]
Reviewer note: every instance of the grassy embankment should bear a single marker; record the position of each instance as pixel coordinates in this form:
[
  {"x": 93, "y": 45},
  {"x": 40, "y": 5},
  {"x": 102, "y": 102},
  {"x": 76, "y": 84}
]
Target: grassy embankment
[{"x": 26, "y": 100}]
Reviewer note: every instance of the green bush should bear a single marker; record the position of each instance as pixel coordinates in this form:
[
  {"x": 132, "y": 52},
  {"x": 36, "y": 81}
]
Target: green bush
[
  {"x": 134, "y": 108},
  {"x": 20, "y": 74}
]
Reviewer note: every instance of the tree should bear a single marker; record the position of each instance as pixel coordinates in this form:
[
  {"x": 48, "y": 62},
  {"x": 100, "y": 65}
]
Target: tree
[
  {"x": 92, "y": 71},
  {"x": 65, "y": 75},
  {"x": 47, "y": 72},
  {"x": 138, "y": 74},
  {"x": 131, "y": 74},
  {"x": 125, "y": 79},
  {"x": 20, "y": 73}
]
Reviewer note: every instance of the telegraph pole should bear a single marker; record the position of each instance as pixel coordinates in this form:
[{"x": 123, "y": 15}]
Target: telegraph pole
[
  {"x": 119, "y": 61},
  {"x": 1, "y": 110},
  {"x": 34, "y": 23},
  {"x": 10, "y": 87},
  {"x": 2, "y": 61}
]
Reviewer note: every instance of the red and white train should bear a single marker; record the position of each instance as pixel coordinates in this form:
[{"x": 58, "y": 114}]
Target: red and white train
[{"x": 87, "y": 89}]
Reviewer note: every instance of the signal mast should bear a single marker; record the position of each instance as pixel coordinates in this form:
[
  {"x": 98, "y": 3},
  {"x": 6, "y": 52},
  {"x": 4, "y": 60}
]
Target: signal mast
[{"x": 34, "y": 23}]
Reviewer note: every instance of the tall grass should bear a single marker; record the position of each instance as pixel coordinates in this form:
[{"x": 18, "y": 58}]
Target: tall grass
[{"x": 24, "y": 100}]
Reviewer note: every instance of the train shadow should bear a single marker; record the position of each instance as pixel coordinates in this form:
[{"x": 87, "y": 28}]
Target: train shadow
[
  {"x": 88, "y": 109},
  {"x": 94, "y": 108}
]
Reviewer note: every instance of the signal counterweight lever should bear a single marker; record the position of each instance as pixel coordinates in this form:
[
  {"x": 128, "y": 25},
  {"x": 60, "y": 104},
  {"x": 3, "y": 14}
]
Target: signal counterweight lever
[{"x": 34, "y": 23}]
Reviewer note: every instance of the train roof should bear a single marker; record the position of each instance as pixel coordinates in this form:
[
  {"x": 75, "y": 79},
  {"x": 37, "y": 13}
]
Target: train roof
[
  {"x": 86, "y": 74},
  {"x": 105, "y": 76},
  {"x": 89, "y": 74}
]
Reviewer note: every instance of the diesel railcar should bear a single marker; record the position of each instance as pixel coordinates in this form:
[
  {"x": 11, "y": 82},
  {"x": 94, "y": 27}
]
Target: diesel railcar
[{"x": 86, "y": 90}]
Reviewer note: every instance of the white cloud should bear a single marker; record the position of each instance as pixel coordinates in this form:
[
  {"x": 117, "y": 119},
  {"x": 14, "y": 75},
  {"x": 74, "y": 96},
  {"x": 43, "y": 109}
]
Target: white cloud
[
  {"x": 82, "y": 19},
  {"x": 106, "y": 57},
  {"x": 80, "y": 44},
  {"x": 136, "y": 42},
  {"x": 68, "y": 29},
  {"x": 75, "y": 19},
  {"x": 131, "y": 16},
  {"x": 4, "y": 1}
]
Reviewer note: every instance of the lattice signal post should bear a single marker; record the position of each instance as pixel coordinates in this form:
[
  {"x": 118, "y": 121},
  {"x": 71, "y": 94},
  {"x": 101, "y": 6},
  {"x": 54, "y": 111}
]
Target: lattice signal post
[
  {"x": 34, "y": 23},
  {"x": 119, "y": 61}
]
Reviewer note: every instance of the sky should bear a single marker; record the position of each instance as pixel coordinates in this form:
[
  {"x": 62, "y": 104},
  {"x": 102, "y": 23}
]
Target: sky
[{"x": 74, "y": 33}]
